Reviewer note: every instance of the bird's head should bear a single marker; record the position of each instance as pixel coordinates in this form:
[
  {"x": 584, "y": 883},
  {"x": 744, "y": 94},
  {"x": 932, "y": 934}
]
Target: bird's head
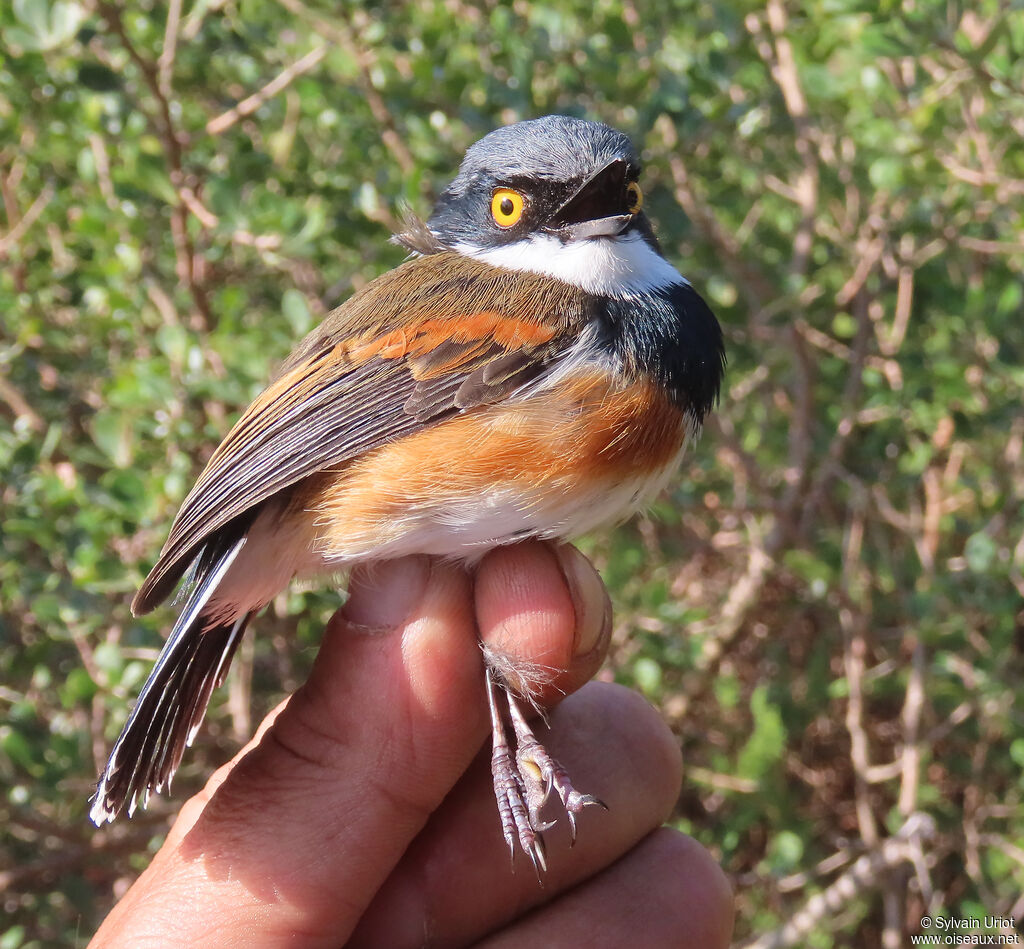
[
  {"x": 557, "y": 196},
  {"x": 556, "y": 177}
]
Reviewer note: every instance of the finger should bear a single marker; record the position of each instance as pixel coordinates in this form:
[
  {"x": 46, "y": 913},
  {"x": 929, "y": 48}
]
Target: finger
[
  {"x": 544, "y": 605},
  {"x": 544, "y": 617},
  {"x": 456, "y": 884},
  {"x": 369, "y": 746},
  {"x": 667, "y": 893},
  {"x": 309, "y": 821}
]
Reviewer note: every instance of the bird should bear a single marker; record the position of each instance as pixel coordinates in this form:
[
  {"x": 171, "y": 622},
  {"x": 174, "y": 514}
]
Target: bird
[{"x": 536, "y": 368}]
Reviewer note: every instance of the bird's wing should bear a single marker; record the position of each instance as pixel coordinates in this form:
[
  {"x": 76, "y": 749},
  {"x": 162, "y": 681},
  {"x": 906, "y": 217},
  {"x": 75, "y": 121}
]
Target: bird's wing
[{"x": 344, "y": 392}]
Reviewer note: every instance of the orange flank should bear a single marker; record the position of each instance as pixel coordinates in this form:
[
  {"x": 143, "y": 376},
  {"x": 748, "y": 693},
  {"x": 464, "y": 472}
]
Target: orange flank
[{"x": 588, "y": 432}]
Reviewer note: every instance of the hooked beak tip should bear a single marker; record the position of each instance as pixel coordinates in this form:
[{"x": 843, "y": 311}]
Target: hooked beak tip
[
  {"x": 610, "y": 226},
  {"x": 584, "y": 215}
]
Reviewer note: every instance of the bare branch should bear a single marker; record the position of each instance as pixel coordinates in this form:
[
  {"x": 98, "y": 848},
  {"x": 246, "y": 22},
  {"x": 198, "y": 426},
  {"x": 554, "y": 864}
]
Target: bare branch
[
  {"x": 19, "y": 227},
  {"x": 989, "y": 246},
  {"x": 19, "y": 405},
  {"x": 854, "y": 654},
  {"x": 757, "y": 288},
  {"x": 191, "y": 201},
  {"x": 910, "y": 758},
  {"x": 777, "y": 54},
  {"x": 866, "y": 875},
  {"x": 165, "y": 64},
  {"x": 250, "y": 104},
  {"x": 743, "y": 596},
  {"x": 189, "y": 265},
  {"x": 341, "y": 35}
]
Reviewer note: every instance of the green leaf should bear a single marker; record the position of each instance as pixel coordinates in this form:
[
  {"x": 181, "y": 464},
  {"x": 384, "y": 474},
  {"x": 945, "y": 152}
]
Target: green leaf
[
  {"x": 34, "y": 14},
  {"x": 648, "y": 675},
  {"x": 764, "y": 748},
  {"x": 296, "y": 311},
  {"x": 785, "y": 852},
  {"x": 17, "y": 747},
  {"x": 112, "y": 432},
  {"x": 78, "y": 687},
  {"x": 980, "y": 551}
]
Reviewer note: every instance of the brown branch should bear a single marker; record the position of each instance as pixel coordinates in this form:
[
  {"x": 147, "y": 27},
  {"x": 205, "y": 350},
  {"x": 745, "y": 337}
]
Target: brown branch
[
  {"x": 340, "y": 34},
  {"x": 777, "y": 54},
  {"x": 980, "y": 179},
  {"x": 102, "y": 161},
  {"x": 910, "y": 758},
  {"x": 165, "y": 125},
  {"x": 755, "y": 286},
  {"x": 829, "y": 463},
  {"x": 866, "y": 875},
  {"x": 251, "y": 103},
  {"x": 20, "y": 227},
  {"x": 162, "y": 302},
  {"x": 8, "y": 186},
  {"x": 854, "y": 661},
  {"x": 889, "y": 343},
  {"x": 801, "y": 430},
  {"x": 189, "y": 266},
  {"x": 76, "y": 855},
  {"x": 989, "y": 247},
  {"x": 165, "y": 64},
  {"x": 889, "y": 368},
  {"x": 19, "y": 405},
  {"x": 869, "y": 253},
  {"x": 743, "y": 596}
]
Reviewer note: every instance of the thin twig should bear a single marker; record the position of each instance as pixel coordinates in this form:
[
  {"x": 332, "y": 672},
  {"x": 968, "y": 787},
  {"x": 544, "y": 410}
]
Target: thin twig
[
  {"x": 189, "y": 265},
  {"x": 19, "y": 228},
  {"x": 165, "y": 64},
  {"x": 251, "y": 103},
  {"x": 910, "y": 758},
  {"x": 757, "y": 288},
  {"x": 866, "y": 875},
  {"x": 854, "y": 655},
  {"x": 19, "y": 405},
  {"x": 341, "y": 34}
]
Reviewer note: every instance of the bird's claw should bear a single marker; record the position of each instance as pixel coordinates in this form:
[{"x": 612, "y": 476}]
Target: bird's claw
[{"x": 523, "y": 788}]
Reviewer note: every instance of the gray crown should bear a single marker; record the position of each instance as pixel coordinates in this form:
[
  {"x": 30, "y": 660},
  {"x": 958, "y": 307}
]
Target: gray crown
[{"x": 556, "y": 147}]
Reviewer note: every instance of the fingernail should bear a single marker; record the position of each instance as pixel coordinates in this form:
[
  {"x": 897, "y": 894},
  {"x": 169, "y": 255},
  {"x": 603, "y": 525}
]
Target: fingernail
[
  {"x": 589, "y": 599},
  {"x": 383, "y": 595}
]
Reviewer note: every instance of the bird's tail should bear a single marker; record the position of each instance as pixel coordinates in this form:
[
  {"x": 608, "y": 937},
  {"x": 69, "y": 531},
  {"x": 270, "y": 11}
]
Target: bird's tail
[{"x": 173, "y": 701}]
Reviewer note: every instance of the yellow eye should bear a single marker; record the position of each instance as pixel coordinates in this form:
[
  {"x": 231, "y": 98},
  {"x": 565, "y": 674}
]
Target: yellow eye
[
  {"x": 635, "y": 197},
  {"x": 507, "y": 207}
]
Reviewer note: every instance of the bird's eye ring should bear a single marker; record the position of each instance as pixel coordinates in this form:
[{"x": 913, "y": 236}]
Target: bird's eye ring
[
  {"x": 634, "y": 198},
  {"x": 507, "y": 207}
]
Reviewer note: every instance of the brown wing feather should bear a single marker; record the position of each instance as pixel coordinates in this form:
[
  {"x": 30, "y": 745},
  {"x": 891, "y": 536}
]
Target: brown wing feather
[{"x": 383, "y": 365}]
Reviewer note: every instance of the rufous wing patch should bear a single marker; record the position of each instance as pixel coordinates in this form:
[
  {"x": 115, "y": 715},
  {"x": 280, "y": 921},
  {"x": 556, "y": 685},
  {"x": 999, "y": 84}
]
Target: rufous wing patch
[{"x": 437, "y": 345}]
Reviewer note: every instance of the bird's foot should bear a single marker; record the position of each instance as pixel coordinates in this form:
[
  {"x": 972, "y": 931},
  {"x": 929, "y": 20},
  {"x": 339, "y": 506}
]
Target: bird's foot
[
  {"x": 546, "y": 772},
  {"x": 523, "y": 785}
]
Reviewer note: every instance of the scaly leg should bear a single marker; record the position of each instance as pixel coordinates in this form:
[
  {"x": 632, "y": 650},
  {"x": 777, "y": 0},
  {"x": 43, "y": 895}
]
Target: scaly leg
[
  {"x": 541, "y": 773},
  {"x": 509, "y": 789},
  {"x": 523, "y": 789}
]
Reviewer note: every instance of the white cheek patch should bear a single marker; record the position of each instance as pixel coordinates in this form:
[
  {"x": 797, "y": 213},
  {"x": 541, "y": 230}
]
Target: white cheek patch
[{"x": 610, "y": 266}]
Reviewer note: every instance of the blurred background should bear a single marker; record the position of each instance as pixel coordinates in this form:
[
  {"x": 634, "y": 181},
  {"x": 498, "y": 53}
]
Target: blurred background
[{"x": 828, "y": 606}]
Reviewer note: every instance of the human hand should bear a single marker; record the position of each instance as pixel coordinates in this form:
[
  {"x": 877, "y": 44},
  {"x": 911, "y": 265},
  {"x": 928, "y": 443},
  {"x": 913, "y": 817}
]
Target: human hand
[{"x": 361, "y": 814}]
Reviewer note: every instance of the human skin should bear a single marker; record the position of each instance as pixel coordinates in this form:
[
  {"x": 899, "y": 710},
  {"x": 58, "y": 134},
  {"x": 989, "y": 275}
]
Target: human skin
[{"x": 362, "y": 812}]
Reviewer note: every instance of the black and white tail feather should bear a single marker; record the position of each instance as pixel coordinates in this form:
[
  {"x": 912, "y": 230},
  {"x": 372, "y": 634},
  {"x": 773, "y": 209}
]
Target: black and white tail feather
[{"x": 173, "y": 701}]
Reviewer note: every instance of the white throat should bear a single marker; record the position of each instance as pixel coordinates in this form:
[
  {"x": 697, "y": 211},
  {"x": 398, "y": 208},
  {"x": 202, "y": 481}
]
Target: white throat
[{"x": 610, "y": 266}]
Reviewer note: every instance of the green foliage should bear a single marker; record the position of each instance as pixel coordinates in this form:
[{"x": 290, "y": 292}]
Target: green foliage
[
  {"x": 763, "y": 750},
  {"x": 834, "y": 585}
]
